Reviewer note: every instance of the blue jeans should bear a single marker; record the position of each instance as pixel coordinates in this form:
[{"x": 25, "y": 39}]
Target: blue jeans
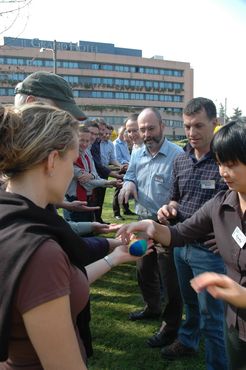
[{"x": 204, "y": 314}]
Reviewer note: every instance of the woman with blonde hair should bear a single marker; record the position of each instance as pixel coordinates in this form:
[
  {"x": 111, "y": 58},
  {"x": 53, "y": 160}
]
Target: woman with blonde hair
[{"x": 44, "y": 292}]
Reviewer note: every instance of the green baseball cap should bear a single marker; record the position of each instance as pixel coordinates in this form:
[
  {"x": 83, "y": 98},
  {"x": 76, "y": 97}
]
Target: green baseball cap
[{"x": 51, "y": 86}]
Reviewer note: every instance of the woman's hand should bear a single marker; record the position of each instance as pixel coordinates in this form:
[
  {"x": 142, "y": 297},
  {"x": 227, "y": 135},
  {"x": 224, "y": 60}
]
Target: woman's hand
[
  {"x": 129, "y": 231},
  {"x": 99, "y": 228},
  {"x": 121, "y": 254}
]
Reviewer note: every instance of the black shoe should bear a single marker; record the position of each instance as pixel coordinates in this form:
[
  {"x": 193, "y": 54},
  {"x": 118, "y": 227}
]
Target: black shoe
[
  {"x": 129, "y": 213},
  {"x": 119, "y": 217},
  {"x": 177, "y": 350},
  {"x": 144, "y": 315},
  {"x": 161, "y": 339}
]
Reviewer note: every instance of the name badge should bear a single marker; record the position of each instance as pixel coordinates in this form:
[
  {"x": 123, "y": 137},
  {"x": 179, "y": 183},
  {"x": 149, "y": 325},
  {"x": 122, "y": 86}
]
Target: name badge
[
  {"x": 208, "y": 184},
  {"x": 239, "y": 237},
  {"x": 159, "y": 179}
]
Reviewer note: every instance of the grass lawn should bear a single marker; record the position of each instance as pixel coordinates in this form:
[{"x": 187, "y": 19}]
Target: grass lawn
[{"x": 120, "y": 344}]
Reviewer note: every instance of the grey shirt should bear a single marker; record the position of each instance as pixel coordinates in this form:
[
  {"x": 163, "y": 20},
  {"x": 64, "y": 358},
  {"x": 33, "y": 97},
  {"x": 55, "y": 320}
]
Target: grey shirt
[{"x": 222, "y": 215}]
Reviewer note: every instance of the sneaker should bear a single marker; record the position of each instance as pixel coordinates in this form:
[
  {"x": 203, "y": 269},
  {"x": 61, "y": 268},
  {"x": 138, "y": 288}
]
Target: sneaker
[
  {"x": 177, "y": 350},
  {"x": 119, "y": 218}
]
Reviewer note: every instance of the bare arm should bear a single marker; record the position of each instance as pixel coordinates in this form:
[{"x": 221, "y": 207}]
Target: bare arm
[
  {"x": 76, "y": 206},
  {"x": 119, "y": 255},
  {"x": 51, "y": 331},
  {"x": 99, "y": 228}
]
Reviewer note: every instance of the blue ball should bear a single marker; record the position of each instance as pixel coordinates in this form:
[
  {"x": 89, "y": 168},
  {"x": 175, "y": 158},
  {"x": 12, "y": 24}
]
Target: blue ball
[{"x": 138, "y": 247}]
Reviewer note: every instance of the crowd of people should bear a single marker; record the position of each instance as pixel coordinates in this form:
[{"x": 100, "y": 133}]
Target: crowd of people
[{"x": 189, "y": 201}]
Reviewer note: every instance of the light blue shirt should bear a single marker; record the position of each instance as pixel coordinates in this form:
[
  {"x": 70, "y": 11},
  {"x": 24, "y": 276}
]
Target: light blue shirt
[
  {"x": 107, "y": 152},
  {"x": 136, "y": 147},
  {"x": 152, "y": 177},
  {"x": 121, "y": 151}
]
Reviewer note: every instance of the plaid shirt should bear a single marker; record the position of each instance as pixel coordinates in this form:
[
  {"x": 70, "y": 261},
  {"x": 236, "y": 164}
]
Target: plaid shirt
[{"x": 189, "y": 179}]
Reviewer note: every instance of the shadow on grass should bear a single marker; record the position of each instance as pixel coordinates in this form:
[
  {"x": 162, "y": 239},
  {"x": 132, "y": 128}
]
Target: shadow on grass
[{"x": 120, "y": 344}]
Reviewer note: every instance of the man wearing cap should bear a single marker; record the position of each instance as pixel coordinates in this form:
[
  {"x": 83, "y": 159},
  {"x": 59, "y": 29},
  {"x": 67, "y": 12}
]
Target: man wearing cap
[
  {"x": 54, "y": 90},
  {"x": 51, "y": 88}
]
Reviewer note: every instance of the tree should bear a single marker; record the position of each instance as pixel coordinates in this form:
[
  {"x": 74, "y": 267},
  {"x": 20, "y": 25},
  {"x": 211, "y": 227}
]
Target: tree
[
  {"x": 222, "y": 114},
  {"x": 236, "y": 114},
  {"x": 14, "y": 15}
]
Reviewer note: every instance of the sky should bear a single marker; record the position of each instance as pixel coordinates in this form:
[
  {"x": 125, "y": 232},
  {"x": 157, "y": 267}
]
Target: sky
[{"x": 208, "y": 34}]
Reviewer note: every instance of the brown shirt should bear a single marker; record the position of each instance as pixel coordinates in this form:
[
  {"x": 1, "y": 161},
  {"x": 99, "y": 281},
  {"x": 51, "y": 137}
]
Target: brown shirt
[
  {"x": 48, "y": 275},
  {"x": 222, "y": 215}
]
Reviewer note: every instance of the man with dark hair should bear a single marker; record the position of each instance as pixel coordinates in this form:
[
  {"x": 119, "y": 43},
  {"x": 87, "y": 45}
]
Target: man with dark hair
[
  {"x": 102, "y": 170},
  {"x": 195, "y": 180}
]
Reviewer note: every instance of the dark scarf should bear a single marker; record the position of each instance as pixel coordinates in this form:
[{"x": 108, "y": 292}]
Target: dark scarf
[{"x": 23, "y": 228}]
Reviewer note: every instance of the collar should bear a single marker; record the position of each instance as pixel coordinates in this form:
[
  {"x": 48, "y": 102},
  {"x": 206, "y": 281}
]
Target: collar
[
  {"x": 190, "y": 152},
  {"x": 231, "y": 199},
  {"x": 163, "y": 149},
  {"x": 118, "y": 140},
  {"x": 138, "y": 146}
]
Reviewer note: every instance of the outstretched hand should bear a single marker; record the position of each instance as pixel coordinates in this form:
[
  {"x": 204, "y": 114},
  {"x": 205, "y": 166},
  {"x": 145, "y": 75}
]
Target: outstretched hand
[
  {"x": 121, "y": 254},
  {"x": 77, "y": 206},
  {"x": 129, "y": 231},
  {"x": 165, "y": 213},
  {"x": 104, "y": 228},
  {"x": 220, "y": 287},
  {"x": 129, "y": 190}
]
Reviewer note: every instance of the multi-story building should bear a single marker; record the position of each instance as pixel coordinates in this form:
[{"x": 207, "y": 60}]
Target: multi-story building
[{"x": 107, "y": 81}]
